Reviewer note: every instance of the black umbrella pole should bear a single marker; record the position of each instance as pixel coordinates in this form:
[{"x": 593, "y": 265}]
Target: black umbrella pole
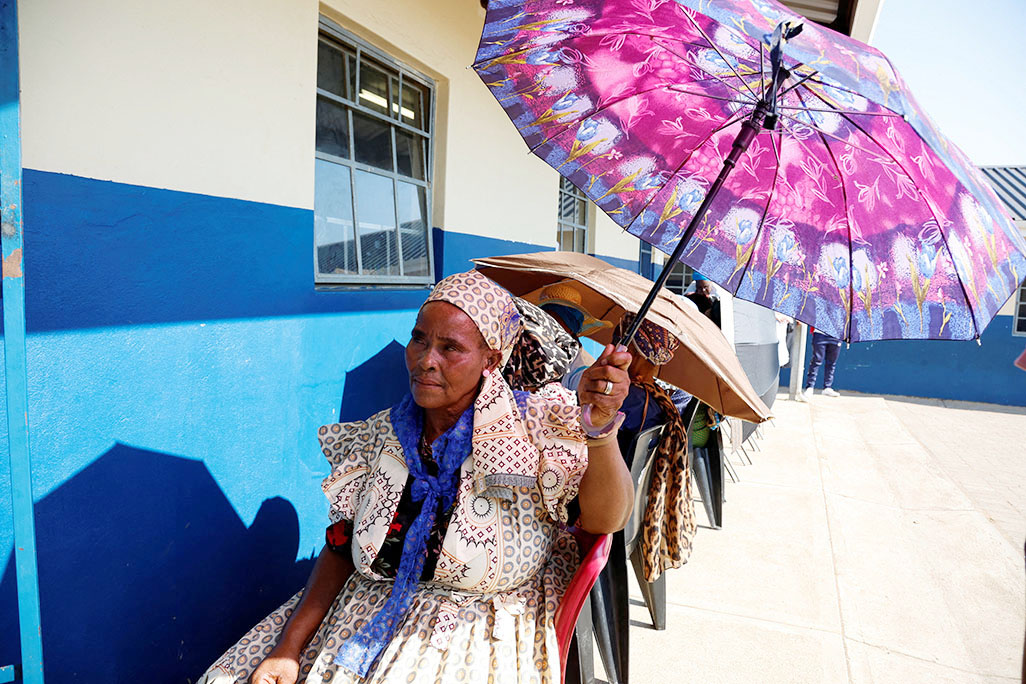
[{"x": 749, "y": 129}]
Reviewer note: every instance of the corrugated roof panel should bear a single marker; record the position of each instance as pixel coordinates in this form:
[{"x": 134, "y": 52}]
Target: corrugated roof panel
[{"x": 1009, "y": 182}]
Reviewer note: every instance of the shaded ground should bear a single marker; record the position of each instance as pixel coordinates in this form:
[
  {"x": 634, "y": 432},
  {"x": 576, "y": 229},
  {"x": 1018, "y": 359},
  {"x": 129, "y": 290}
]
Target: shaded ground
[{"x": 874, "y": 539}]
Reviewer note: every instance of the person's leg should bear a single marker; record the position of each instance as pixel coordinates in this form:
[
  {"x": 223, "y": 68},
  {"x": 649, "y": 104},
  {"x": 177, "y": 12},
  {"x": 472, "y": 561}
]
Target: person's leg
[
  {"x": 831, "y": 352},
  {"x": 818, "y": 353}
]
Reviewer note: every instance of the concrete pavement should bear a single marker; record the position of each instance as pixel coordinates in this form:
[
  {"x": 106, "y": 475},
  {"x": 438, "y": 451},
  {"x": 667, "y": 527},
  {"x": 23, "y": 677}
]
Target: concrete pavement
[{"x": 873, "y": 540}]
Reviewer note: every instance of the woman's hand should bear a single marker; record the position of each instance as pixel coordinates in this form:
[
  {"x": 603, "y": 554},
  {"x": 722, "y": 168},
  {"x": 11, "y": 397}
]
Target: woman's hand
[
  {"x": 608, "y": 371},
  {"x": 277, "y": 669},
  {"x": 329, "y": 575}
]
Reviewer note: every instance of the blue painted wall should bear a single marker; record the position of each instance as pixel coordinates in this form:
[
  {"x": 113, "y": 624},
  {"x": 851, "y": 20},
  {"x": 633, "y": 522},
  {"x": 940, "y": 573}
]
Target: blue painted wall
[
  {"x": 180, "y": 362},
  {"x": 938, "y": 369},
  {"x": 620, "y": 262}
]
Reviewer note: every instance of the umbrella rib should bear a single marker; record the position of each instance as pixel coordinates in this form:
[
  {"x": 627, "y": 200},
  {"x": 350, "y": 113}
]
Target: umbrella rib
[
  {"x": 828, "y": 134},
  {"x": 681, "y": 165},
  {"x": 566, "y": 127},
  {"x": 762, "y": 71},
  {"x": 840, "y": 111},
  {"x": 714, "y": 47},
  {"x": 484, "y": 63},
  {"x": 933, "y": 212},
  {"x": 803, "y": 79},
  {"x": 684, "y": 59},
  {"x": 762, "y": 221},
  {"x": 849, "y": 221}
]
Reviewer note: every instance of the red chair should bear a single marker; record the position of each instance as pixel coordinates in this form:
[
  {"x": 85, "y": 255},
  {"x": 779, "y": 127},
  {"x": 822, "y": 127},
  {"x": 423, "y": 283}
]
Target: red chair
[{"x": 595, "y": 551}]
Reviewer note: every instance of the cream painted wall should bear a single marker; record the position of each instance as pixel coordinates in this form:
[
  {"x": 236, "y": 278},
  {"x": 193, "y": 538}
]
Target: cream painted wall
[
  {"x": 486, "y": 183},
  {"x": 612, "y": 240},
  {"x": 193, "y": 95},
  {"x": 218, "y": 98}
]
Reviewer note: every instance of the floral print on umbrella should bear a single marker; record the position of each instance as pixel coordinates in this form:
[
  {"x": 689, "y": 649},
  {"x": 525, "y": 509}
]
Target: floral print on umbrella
[{"x": 854, "y": 215}]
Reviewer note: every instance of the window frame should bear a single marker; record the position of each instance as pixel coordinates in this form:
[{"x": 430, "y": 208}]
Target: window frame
[
  {"x": 1020, "y": 307},
  {"x": 687, "y": 276},
  {"x": 585, "y": 227},
  {"x": 333, "y": 32}
]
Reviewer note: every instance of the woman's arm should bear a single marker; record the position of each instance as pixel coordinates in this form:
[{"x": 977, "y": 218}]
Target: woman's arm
[
  {"x": 606, "y": 494},
  {"x": 330, "y": 572}
]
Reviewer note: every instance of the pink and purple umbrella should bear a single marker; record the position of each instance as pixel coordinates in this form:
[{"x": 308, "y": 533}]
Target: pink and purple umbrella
[{"x": 788, "y": 163}]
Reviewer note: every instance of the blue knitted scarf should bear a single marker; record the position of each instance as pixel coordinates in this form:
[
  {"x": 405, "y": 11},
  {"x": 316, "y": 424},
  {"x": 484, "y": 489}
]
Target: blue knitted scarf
[{"x": 360, "y": 652}]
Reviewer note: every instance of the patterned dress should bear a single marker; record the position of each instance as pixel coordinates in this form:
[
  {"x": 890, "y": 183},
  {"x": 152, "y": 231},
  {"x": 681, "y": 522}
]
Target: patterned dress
[{"x": 505, "y": 562}]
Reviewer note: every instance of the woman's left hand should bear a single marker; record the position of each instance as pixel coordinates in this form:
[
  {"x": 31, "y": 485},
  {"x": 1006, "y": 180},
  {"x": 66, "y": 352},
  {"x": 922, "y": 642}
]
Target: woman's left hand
[{"x": 604, "y": 385}]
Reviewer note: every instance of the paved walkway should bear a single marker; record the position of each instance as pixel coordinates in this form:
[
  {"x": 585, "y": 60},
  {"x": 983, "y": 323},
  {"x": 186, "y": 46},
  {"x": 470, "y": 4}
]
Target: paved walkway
[{"x": 874, "y": 539}]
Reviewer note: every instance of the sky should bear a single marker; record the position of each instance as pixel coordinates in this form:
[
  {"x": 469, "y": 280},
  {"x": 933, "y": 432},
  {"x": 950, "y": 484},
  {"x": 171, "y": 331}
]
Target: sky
[{"x": 965, "y": 62}]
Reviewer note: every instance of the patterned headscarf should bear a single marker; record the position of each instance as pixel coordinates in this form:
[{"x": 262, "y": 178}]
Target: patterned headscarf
[
  {"x": 655, "y": 342},
  {"x": 488, "y": 305},
  {"x": 544, "y": 351}
]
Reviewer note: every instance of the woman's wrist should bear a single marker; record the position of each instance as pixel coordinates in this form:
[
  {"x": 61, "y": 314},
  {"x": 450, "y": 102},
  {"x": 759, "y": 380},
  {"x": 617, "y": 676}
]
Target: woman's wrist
[
  {"x": 602, "y": 430},
  {"x": 286, "y": 648}
]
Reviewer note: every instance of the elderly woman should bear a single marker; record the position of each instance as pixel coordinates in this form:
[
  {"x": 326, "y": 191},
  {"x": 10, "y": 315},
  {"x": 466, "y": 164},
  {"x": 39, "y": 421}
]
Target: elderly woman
[{"x": 447, "y": 555}]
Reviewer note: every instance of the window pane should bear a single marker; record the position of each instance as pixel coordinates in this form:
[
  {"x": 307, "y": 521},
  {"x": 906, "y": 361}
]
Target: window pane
[
  {"x": 580, "y": 216},
  {"x": 332, "y": 128},
  {"x": 412, "y": 111},
  {"x": 333, "y": 218},
  {"x": 373, "y": 140},
  {"x": 330, "y": 71},
  {"x": 566, "y": 239},
  {"x": 375, "y": 203},
  {"x": 393, "y": 97},
  {"x": 409, "y": 154},
  {"x": 373, "y": 88},
  {"x": 566, "y": 207},
  {"x": 579, "y": 241},
  {"x": 413, "y": 227}
]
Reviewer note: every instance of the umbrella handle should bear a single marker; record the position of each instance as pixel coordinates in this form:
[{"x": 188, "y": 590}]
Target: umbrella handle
[
  {"x": 749, "y": 129},
  {"x": 764, "y": 116}
]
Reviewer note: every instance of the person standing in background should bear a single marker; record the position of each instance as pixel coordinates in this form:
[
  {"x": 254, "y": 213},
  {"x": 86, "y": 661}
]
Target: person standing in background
[
  {"x": 705, "y": 298},
  {"x": 825, "y": 350}
]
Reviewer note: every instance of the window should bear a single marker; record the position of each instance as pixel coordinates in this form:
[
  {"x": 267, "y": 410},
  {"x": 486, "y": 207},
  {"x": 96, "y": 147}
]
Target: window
[
  {"x": 572, "y": 233},
  {"x": 372, "y": 195},
  {"x": 1019, "y": 315},
  {"x": 645, "y": 265},
  {"x": 680, "y": 278}
]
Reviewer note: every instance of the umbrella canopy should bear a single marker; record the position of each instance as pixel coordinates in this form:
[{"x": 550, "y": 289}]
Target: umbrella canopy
[
  {"x": 847, "y": 209},
  {"x": 704, "y": 365}
]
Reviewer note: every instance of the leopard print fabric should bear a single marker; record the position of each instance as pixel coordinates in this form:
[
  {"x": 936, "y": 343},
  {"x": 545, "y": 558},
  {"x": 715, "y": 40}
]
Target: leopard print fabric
[{"x": 669, "y": 523}]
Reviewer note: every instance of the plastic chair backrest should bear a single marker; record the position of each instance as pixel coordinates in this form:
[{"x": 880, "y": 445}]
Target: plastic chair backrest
[
  {"x": 596, "y": 553},
  {"x": 642, "y": 449}
]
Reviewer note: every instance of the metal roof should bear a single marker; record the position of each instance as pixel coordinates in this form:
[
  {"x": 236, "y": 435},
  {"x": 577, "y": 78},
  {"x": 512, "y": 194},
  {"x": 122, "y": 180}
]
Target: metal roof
[{"x": 1009, "y": 182}]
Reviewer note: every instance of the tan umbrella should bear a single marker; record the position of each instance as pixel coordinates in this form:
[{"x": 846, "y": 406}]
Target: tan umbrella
[{"x": 704, "y": 365}]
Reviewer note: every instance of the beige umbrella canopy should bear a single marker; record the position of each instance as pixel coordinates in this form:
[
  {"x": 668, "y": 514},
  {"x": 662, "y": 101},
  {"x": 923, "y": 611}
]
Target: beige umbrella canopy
[{"x": 704, "y": 365}]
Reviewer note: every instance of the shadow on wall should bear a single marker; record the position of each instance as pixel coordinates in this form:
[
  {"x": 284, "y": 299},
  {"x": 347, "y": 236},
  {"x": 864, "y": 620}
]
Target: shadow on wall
[
  {"x": 377, "y": 383},
  {"x": 146, "y": 572}
]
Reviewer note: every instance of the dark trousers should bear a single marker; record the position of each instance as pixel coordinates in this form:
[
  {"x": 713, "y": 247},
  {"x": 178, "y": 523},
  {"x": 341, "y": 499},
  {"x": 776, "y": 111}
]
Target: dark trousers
[{"x": 825, "y": 350}]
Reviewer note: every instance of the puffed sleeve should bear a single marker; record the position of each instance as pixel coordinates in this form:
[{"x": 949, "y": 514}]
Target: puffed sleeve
[
  {"x": 351, "y": 449},
  {"x": 555, "y": 428}
]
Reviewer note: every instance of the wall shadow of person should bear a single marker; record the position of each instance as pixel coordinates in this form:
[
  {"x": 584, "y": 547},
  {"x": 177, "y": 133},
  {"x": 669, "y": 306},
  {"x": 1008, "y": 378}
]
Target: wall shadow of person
[
  {"x": 377, "y": 383},
  {"x": 147, "y": 573}
]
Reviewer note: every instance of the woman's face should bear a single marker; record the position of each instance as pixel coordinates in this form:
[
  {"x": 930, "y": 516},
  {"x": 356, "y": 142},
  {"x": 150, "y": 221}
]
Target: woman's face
[{"x": 446, "y": 357}]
